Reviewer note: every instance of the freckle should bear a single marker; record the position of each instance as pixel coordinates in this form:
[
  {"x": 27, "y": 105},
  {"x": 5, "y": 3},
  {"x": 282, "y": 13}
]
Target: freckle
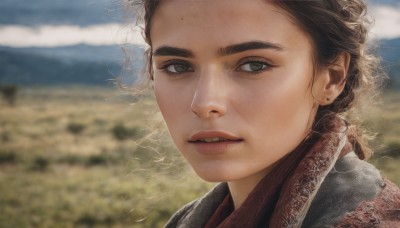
[{"x": 181, "y": 18}]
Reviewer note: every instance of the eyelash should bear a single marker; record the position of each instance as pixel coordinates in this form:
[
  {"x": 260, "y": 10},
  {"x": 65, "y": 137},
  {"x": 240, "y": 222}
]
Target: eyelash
[
  {"x": 266, "y": 65},
  {"x": 174, "y": 62},
  {"x": 242, "y": 62}
]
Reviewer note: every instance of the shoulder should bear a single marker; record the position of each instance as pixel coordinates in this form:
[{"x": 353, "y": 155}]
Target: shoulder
[
  {"x": 181, "y": 213},
  {"x": 196, "y": 213},
  {"x": 383, "y": 211},
  {"x": 351, "y": 183}
]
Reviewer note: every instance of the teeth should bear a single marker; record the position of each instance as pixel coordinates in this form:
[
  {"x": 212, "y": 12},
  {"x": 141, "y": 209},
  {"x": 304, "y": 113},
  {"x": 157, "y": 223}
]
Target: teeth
[{"x": 212, "y": 140}]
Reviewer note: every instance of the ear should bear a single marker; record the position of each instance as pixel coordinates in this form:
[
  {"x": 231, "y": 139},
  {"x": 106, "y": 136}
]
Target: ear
[{"x": 329, "y": 82}]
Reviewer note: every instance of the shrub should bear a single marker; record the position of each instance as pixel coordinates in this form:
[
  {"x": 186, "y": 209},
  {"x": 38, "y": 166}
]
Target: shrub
[
  {"x": 40, "y": 164},
  {"x": 393, "y": 150},
  {"x": 9, "y": 93},
  {"x": 71, "y": 159},
  {"x": 5, "y": 137},
  {"x": 97, "y": 159},
  {"x": 7, "y": 157},
  {"x": 75, "y": 128},
  {"x": 121, "y": 132},
  {"x": 87, "y": 220}
]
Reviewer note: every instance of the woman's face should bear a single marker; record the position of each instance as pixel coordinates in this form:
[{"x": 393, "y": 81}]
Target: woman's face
[{"x": 232, "y": 79}]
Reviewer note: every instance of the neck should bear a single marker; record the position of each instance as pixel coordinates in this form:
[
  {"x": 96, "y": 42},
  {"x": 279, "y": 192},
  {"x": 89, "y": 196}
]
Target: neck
[{"x": 240, "y": 189}]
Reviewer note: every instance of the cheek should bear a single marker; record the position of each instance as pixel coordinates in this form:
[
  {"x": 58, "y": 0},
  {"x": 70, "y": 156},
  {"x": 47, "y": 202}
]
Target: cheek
[
  {"x": 282, "y": 111},
  {"x": 279, "y": 101},
  {"x": 173, "y": 103},
  {"x": 167, "y": 101}
]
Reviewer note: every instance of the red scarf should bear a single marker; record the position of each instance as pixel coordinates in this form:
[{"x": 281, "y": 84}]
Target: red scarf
[{"x": 282, "y": 198}]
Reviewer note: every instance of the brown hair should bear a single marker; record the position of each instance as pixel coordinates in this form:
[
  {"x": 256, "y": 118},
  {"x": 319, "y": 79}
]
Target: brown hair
[{"x": 335, "y": 27}]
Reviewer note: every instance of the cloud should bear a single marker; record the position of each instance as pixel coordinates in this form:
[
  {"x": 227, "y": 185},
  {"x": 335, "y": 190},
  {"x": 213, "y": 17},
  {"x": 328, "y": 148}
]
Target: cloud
[
  {"x": 387, "y": 26},
  {"x": 387, "y": 22},
  {"x": 53, "y": 36}
]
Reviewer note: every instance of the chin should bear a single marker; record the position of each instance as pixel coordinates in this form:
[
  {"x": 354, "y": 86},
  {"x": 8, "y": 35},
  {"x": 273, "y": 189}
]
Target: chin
[{"x": 216, "y": 174}]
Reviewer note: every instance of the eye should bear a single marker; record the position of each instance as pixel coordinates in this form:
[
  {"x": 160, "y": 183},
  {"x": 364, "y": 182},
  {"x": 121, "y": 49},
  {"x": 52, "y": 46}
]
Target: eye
[
  {"x": 176, "y": 67},
  {"x": 253, "y": 67}
]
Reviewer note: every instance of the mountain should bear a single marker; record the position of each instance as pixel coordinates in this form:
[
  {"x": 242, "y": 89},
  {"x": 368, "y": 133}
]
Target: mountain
[
  {"x": 85, "y": 64},
  {"x": 389, "y": 50},
  {"x": 80, "y": 64},
  {"x": 81, "y": 52}
]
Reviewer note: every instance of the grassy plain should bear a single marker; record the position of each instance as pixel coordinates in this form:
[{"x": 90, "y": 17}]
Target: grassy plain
[
  {"x": 54, "y": 176},
  {"x": 85, "y": 157}
]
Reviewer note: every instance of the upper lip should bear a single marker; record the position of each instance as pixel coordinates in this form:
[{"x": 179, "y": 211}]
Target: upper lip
[{"x": 213, "y": 134}]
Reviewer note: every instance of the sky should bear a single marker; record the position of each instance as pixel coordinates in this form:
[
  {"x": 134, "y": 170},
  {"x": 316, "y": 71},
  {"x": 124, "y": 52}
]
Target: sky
[
  {"x": 54, "y": 23},
  {"x": 387, "y": 21}
]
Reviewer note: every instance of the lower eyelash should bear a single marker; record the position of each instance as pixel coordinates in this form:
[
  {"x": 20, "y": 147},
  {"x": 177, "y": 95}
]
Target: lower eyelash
[{"x": 267, "y": 67}]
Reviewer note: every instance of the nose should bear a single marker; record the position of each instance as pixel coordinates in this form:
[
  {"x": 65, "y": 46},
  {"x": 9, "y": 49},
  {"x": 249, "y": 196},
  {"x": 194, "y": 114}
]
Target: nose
[{"x": 210, "y": 97}]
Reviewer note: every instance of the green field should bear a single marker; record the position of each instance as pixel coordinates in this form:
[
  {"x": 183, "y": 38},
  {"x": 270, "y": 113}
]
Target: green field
[{"x": 95, "y": 157}]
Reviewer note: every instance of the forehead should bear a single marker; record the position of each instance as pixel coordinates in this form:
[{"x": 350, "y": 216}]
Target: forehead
[{"x": 222, "y": 22}]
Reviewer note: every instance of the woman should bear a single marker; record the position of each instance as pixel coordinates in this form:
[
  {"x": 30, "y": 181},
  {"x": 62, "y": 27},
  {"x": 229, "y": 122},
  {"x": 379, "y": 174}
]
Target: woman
[{"x": 256, "y": 95}]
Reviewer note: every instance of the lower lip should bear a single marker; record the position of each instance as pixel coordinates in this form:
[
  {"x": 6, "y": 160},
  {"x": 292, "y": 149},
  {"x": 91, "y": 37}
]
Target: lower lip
[{"x": 214, "y": 148}]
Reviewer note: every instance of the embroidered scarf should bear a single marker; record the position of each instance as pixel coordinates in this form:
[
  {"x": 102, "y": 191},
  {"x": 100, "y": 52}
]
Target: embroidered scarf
[{"x": 283, "y": 197}]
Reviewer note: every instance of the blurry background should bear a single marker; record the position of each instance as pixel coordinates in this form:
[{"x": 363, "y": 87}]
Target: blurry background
[{"x": 77, "y": 152}]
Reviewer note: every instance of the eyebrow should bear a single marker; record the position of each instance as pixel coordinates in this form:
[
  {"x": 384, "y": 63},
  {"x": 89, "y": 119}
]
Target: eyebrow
[
  {"x": 246, "y": 46},
  {"x": 173, "y": 51},
  {"x": 229, "y": 50}
]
